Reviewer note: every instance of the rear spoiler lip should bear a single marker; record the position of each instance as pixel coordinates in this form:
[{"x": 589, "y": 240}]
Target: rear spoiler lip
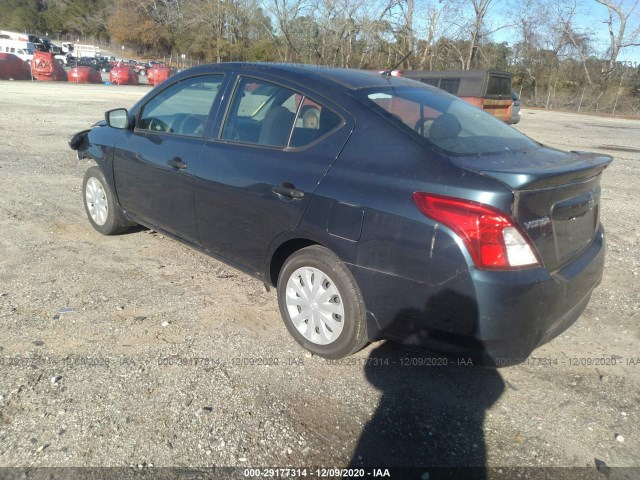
[{"x": 575, "y": 167}]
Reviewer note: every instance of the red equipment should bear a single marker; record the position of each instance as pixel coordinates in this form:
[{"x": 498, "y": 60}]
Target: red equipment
[
  {"x": 84, "y": 75},
  {"x": 123, "y": 75},
  {"x": 13, "y": 68},
  {"x": 158, "y": 74},
  {"x": 45, "y": 67}
]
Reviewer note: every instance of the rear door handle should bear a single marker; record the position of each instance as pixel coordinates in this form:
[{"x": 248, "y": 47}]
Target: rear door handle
[
  {"x": 288, "y": 190},
  {"x": 177, "y": 163}
]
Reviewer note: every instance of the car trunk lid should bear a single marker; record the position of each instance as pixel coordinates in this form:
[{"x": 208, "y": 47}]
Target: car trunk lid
[{"x": 556, "y": 197}]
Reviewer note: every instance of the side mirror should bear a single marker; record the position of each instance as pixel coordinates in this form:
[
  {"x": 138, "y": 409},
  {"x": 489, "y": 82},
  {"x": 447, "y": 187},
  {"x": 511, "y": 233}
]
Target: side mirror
[{"x": 118, "y": 118}]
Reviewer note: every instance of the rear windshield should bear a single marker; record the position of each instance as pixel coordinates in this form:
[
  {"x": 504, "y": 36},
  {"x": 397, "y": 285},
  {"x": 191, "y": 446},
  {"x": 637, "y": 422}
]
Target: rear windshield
[
  {"x": 498, "y": 87},
  {"x": 444, "y": 121}
]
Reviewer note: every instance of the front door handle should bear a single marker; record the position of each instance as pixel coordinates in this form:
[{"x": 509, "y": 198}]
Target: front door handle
[
  {"x": 288, "y": 190},
  {"x": 177, "y": 163}
]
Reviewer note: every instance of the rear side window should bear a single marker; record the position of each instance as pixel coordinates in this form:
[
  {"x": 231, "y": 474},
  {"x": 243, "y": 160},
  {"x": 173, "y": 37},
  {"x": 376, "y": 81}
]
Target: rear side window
[
  {"x": 263, "y": 113},
  {"x": 313, "y": 121},
  {"x": 183, "y": 108}
]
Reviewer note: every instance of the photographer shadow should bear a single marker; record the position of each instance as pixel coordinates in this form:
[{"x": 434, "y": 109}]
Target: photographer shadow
[{"x": 431, "y": 412}]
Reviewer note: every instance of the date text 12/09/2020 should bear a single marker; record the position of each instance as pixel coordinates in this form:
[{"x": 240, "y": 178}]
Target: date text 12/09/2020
[{"x": 320, "y": 473}]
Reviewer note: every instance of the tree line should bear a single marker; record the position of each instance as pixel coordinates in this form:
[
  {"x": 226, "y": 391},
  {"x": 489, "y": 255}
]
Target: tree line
[{"x": 555, "y": 59}]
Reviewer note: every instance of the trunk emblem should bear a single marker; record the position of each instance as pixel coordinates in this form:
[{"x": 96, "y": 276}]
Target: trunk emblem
[
  {"x": 541, "y": 225},
  {"x": 537, "y": 223}
]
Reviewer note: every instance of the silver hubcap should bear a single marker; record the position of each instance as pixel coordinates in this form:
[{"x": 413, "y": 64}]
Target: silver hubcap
[
  {"x": 314, "y": 305},
  {"x": 96, "y": 199}
]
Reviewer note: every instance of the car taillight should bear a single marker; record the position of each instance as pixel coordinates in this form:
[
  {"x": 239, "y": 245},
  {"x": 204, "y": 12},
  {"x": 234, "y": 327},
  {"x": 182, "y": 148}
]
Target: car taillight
[{"x": 492, "y": 238}]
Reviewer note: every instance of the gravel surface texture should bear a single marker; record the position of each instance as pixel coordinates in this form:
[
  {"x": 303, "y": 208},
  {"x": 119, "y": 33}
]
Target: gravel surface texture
[{"x": 135, "y": 351}]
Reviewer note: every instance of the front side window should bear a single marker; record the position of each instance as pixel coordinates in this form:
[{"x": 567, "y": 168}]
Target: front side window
[
  {"x": 263, "y": 113},
  {"x": 183, "y": 108},
  {"x": 443, "y": 121}
]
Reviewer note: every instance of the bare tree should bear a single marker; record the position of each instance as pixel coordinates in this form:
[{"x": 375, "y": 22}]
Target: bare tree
[
  {"x": 428, "y": 54},
  {"x": 285, "y": 13},
  {"x": 528, "y": 19},
  {"x": 339, "y": 25},
  {"x": 205, "y": 24},
  {"x": 580, "y": 42},
  {"x": 481, "y": 9},
  {"x": 619, "y": 35},
  {"x": 406, "y": 31},
  {"x": 374, "y": 42},
  {"x": 575, "y": 40}
]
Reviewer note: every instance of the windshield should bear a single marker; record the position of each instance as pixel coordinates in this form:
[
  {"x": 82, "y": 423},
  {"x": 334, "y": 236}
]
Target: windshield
[{"x": 444, "y": 121}]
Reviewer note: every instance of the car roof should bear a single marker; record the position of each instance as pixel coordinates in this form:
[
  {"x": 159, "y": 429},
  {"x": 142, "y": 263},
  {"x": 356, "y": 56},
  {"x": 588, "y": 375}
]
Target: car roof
[{"x": 350, "y": 79}]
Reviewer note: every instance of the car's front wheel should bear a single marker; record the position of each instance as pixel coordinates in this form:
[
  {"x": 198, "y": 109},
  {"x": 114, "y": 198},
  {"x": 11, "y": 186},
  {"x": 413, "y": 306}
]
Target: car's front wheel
[
  {"x": 321, "y": 304},
  {"x": 100, "y": 204}
]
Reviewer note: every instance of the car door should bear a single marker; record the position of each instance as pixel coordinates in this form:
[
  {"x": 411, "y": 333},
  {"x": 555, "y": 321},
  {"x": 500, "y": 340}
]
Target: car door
[
  {"x": 255, "y": 181},
  {"x": 154, "y": 164}
]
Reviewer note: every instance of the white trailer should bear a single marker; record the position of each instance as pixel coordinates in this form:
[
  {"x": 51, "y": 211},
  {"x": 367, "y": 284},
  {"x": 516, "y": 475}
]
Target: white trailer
[{"x": 80, "y": 50}]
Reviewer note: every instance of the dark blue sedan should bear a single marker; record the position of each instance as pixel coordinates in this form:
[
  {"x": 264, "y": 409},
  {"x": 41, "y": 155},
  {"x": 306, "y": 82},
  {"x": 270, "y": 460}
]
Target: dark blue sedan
[{"x": 378, "y": 206}]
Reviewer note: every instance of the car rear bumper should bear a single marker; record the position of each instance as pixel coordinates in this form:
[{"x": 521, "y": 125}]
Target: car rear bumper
[{"x": 497, "y": 318}]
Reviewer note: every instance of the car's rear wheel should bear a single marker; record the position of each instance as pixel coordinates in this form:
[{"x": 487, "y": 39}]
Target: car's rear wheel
[
  {"x": 99, "y": 203},
  {"x": 321, "y": 304}
]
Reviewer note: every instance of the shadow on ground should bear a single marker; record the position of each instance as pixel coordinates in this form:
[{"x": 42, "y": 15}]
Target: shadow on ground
[{"x": 431, "y": 411}]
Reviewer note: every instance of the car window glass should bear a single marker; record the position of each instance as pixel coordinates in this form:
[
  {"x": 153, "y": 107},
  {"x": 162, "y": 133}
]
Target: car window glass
[
  {"x": 450, "y": 85},
  {"x": 430, "y": 81},
  {"x": 309, "y": 116},
  {"x": 499, "y": 86},
  {"x": 444, "y": 121},
  {"x": 313, "y": 122},
  {"x": 261, "y": 113},
  {"x": 183, "y": 108}
]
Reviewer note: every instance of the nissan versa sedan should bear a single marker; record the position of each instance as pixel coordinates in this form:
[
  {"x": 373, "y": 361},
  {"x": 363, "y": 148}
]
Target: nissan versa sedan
[{"x": 379, "y": 207}]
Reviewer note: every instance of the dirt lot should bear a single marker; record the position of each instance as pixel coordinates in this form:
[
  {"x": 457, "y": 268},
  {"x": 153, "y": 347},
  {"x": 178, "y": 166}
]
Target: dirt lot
[{"x": 136, "y": 351}]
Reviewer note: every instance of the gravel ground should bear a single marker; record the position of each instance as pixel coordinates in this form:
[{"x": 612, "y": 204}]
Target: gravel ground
[{"x": 135, "y": 351}]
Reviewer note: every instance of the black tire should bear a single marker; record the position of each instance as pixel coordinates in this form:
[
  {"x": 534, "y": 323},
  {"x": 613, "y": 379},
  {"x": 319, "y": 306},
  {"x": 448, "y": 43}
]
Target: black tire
[
  {"x": 103, "y": 213},
  {"x": 353, "y": 334}
]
